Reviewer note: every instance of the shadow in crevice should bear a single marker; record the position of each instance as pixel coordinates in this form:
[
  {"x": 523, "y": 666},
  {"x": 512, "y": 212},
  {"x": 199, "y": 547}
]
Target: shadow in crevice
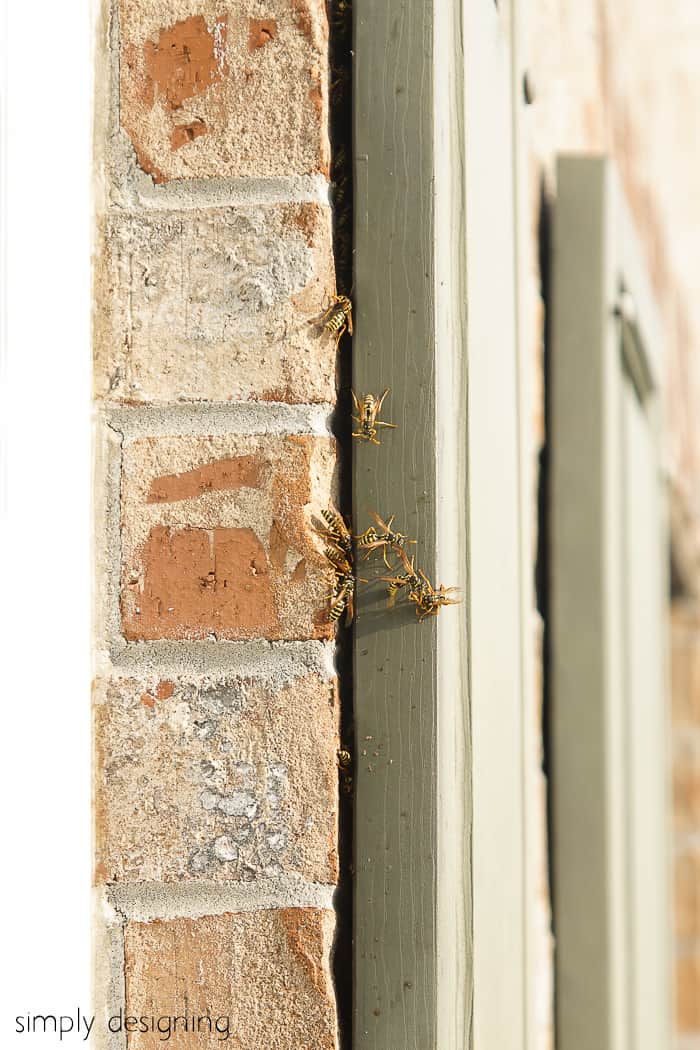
[
  {"x": 542, "y": 565},
  {"x": 340, "y": 129}
]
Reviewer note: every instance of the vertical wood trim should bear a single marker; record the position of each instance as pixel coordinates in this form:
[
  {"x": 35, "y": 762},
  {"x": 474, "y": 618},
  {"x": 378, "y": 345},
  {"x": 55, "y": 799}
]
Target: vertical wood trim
[
  {"x": 455, "y": 816},
  {"x": 579, "y": 689},
  {"x": 608, "y": 709},
  {"x": 439, "y": 894},
  {"x": 395, "y": 666},
  {"x": 534, "y": 817},
  {"x": 495, "y": 563}
]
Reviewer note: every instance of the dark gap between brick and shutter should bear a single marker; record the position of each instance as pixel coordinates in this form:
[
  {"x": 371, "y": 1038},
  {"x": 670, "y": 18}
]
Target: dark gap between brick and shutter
[
  {"x": 340, "y": 54},
  {"x": 542, "y": 561}
]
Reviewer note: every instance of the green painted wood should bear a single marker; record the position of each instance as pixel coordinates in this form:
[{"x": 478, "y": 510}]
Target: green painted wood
[
  {"x": 647, "y": 713},
  {"x": 578, "y": 611},
  {"x": 609, "y": 704},
  {"x": 440, "y": 837},
  {"x": 395, "y": 671}
]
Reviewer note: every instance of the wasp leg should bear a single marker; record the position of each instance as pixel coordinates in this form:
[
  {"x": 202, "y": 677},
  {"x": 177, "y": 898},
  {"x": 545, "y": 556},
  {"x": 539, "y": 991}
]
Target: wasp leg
[
  {"x": 341, "y": 332},
  {"x": 385, "y": 558},
  {"x": 378, "y": 423}
]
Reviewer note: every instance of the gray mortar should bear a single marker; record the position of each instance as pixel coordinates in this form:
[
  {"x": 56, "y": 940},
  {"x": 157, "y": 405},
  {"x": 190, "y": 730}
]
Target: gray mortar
[
  {"x": 107, "y": 619},
  {"x": 147, "y": 901},
  {"x": 108, "y": 972},
  {"x": 264, "y": 417},
  {"x": 217, "y": 193},
  {"x": 272, "y": 662}
]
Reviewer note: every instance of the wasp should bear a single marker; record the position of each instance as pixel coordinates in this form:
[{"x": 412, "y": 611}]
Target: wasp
[
  {"x": 335, "y": 318},
  {"x": 342, "y": 598},
  {"x": 345, "y": 768},
  {"x": 368, "y": 538},
  {"x": 371, "y": 540},
  {"x": 336, "y": 531},
  {"x": 431, "y": 601},
  {"x": 344, "y": 759},
  {"x": 367, "y": 413},
  {"x": 341, "y": 563},
  {"x": 340, "y": 12},
  {"x": 411, "y": 578},
  {"x": 421, "y": 592}
]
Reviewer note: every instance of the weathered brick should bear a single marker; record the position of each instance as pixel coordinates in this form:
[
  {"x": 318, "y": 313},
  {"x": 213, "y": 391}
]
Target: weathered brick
[
  {"x": 217, "y": 539},
  {"x": 685, "y": 665},
  {"x": 686, "y": 783},
  {"x": 215, "y": 777},
  {"x": 214, "y": 305},
  {"x": 267, "y": 971},
  {"x": 222, "y": 89},
  {"x": 687, "y": 895},
  {"x": 687, "y": 985}
]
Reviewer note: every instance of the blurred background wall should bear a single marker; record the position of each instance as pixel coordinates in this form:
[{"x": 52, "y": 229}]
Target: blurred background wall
[{"x": 624, "y": 78}]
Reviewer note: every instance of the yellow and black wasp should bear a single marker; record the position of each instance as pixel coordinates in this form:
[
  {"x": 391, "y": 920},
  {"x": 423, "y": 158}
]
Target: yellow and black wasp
[
  {"x": 385, "y": 539},
  {"x": 345, "y": 767},
  {"x": 367, "y": 412},
  {"x": 429, "y": 601},
  {"x": 410, "y": 578},
  {"x": 336, "y": 532},
  {"x": 335, "y": 318},
  {"x": 420, "y": 590},
  {"x": 342, "y": 597}
]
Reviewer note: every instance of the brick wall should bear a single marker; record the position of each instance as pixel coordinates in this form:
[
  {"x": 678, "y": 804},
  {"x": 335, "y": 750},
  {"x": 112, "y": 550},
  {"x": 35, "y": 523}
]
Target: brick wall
[
  {"x": 215, "y": 704},
  {"x": 685, "y": 668}
]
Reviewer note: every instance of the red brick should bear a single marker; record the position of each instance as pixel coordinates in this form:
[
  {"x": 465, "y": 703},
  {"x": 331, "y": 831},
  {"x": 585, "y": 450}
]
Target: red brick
[
  {"x": 267, "y": 971},
  {"x": 216, "y": 91},
  {"x": 216, "y": 537}
]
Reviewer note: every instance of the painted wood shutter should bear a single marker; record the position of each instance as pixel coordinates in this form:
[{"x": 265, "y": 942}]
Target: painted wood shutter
[{"x": 608, "y": 643}]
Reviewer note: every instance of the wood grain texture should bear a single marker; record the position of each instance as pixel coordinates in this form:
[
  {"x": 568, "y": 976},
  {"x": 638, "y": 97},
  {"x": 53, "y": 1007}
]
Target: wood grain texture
[
  {"x": 440, "y": 831},
  {"x": 395, "y": 656}
]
